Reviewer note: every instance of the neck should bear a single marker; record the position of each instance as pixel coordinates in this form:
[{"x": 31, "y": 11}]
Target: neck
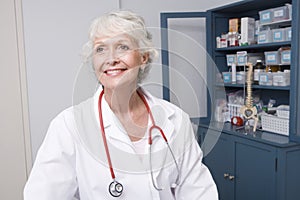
[{"x": 122, "y": 100}]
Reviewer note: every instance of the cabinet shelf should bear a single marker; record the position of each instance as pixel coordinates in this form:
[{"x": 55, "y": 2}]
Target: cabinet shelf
[
  {"x": 253, "y": 86},
  {"x": 264, "y": 46}
]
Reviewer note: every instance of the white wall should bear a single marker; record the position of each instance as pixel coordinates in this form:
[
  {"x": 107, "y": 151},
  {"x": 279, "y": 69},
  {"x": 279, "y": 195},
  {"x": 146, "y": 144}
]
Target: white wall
[
  {"x": 13, "y": 108},
  {"x": 54, "y": 34}
]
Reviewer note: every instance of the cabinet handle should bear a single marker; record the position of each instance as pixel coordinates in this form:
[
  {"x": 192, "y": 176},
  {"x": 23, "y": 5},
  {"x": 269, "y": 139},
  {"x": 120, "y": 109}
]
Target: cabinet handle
[
  {"x": 231, "y": 178},
  {"x": 226, "y": 175}
]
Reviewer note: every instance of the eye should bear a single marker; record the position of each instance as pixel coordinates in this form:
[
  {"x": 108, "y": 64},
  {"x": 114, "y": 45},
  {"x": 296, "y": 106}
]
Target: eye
[
  {"x": 99, "y": 49},
  {"x": 123, "y": 47}
]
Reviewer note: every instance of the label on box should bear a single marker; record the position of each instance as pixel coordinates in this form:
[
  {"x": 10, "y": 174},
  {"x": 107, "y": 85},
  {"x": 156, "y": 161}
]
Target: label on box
[
  {"x": 278, "y": 35},
  {"x": 278, "y": 78},
  {"x": 286, "y": 56},
  {"x": 278, "y": 13},
  {"x": 262, "y": 37},
  {"x": 266, "y": 16},
  {"x": 263, "y": 78},
  {"x": 271, "y": 58}
]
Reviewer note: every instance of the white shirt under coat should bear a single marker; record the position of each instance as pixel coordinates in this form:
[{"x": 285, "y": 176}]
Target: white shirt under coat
[{"x": 71, "y": 163}]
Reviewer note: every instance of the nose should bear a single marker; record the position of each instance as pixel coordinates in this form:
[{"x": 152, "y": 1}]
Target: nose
[{"x": 112, "y": 58}]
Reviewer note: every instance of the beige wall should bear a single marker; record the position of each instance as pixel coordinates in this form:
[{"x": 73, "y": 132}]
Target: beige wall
[{"x": 13, "y": 120}]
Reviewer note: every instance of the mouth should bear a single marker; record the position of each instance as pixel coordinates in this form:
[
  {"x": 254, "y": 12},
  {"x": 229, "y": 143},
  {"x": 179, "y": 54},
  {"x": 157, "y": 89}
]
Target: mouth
[{"x": 114, "y": 71}]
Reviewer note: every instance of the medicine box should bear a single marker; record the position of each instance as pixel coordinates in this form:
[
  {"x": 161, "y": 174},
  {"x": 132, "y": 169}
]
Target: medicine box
[
  {"x": 243, "y": 57},
  {"x": 264, "y": 37},
  {"x": 231, "y": 58},
  {"x": 285, "y": 57},
  {"x": 272, "y": 58},
  {"x": 266, "y": 78},
  {"x": 234, "y": 25},
  {"x": 226, "y": 77},
  {"x": 265, "y": 16},
  {"x": 281, "y": 78},
  {"x": 280, "y": 13},
  {"x": 240, "y": 77},
  {"x": 278, "y": 35},
  {"x": 247, "y": 30},
  {"x": 288, "y": 33}
]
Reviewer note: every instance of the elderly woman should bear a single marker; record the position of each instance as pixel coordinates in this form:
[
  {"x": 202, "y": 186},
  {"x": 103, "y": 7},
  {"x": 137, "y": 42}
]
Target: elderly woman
[{"x": 122, "y": 143}]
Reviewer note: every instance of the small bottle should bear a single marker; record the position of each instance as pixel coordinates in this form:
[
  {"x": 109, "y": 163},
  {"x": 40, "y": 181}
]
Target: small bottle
[{"x": 258, "y": 68}]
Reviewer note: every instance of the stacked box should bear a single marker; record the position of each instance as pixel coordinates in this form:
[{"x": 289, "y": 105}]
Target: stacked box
[
  {"x": 280, "y": 13},
  {"x": 226, "y": 77},
  {"x": 265, "y": 16},
  {"x": 231, "y": 58},
  {"x": 266, "y": 78},
  {"x": 278, "y": 35},
  {"x": 281, "y": 78},
  {"x": 288, "y": 33},
  {"x": 272, "y": 58},
  {"x": 264, "y": 37},
  {"x": 243, "y": 57},
  {"x": 285, "y": 57}
]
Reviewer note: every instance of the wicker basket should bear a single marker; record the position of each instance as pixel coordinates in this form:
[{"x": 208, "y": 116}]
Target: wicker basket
[{"x": 275, "y": 124}]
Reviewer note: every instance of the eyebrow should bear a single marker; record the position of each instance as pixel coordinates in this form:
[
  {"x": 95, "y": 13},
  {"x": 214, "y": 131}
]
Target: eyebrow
[{"x": 117, "y": 41}]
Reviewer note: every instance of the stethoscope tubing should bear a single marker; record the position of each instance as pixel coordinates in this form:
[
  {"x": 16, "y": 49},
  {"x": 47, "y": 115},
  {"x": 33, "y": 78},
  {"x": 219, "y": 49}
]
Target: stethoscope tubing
[{"x": 154, "y": 126}]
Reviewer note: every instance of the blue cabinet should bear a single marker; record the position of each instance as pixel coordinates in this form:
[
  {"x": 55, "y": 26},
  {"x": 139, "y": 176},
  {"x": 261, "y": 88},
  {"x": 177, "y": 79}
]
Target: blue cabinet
[
  {"x": 251, "y": 167},
  {"x": 261, "y": 166}
]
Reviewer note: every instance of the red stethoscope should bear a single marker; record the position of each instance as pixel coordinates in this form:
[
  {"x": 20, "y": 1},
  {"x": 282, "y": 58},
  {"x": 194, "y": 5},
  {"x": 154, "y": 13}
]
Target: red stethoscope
[{"x": 116, "y": 188}]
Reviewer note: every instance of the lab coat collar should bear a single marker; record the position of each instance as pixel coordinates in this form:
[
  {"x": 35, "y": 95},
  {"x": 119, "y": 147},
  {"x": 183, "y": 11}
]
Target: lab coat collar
[{"x": 162, "y": 115}]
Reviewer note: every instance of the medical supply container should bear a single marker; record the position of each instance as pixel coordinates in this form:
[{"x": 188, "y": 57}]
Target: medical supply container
[
  {"x": 285, "y": 57},
  {"x": 231, "y": 58},
  {"x": 278, "y": 35},
  {"x": 264, "y": 37},
  {"x": 281, "y": 78},
  {"x": 266, "y": 78},
  {"x": 226, "y": 77},
  {"x": 272, "y": 58}
]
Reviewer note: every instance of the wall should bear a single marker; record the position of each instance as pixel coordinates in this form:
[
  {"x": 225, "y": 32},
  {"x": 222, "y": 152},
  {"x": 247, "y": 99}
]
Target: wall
[
  {"x": 14, "y": 154},
  {"x": 54, "y": 34}
]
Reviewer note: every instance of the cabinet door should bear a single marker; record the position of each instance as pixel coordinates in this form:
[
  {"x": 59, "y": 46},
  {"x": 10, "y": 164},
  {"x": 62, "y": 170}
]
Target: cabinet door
[
  {"x": 185, "y": 61},
  {"x": 221, "y": 163},
  {"x": 255, "y": 166}
]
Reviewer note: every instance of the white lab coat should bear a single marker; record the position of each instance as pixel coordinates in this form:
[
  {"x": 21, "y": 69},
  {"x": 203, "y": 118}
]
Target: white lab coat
[{"x": 71, "y": 163}]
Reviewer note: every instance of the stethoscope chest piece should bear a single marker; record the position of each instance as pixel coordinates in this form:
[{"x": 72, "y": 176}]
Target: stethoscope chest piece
[{"x": 115, "y": 189}]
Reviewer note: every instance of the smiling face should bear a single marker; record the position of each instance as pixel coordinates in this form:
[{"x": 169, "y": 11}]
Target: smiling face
[{"x": 117, "y": 61}]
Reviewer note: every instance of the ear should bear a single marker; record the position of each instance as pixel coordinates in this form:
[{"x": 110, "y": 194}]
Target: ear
[{"x": 145, "y": 58}]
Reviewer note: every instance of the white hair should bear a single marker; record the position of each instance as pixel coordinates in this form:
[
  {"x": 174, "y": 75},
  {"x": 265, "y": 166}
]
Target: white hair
[{"x": 122, "y": 22}]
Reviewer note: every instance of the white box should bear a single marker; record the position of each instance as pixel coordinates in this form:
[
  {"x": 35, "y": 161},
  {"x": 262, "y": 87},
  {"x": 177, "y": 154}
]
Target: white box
[
  {"x": 285, "y": 57},
  {"x": 281, "y": 78},
  {"x": 280, "y": 13},
  {"x": 278, "y": 35},
  {"x": 231, "y": 58},
  {"x": 264, "y": 37},
  {"x": 266, "y": 16},
  {"x": 272, "y": 58},
  {"x": 288, "y": 33},
  {"x": 266, "y": 78},
  {"x": 247, "y": 30},
  {"x": 243, "y": 57}
]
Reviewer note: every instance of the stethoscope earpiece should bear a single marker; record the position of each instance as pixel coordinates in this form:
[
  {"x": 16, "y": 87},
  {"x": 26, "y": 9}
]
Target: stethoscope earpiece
[{"x": 115, "y": 188}]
